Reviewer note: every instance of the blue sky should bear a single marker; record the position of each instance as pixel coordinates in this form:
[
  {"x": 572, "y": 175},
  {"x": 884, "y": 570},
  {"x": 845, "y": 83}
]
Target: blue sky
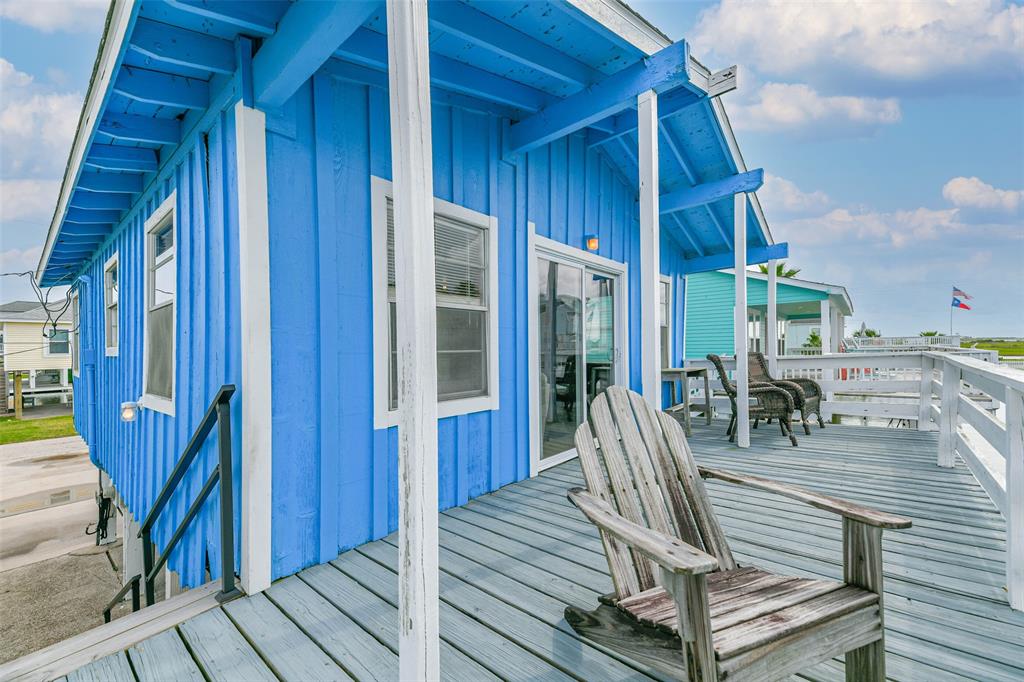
[{"x": 892, "y": 135}]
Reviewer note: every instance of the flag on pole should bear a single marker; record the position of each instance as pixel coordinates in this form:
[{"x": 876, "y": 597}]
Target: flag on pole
[
  {"x": 957, "y": 303},
  {"x": 959, "y": 293}
]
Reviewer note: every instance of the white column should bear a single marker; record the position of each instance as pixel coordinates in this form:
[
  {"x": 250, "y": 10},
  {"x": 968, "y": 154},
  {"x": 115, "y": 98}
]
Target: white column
[
  {"x": 412, "y": 169},
  {"x": 1015, "y": 497},
  {"x": 826, "y": 326},
  {"x": 772, "y": 323},
  {"x": 650, "y": 257},
  {"x": 740, "y": 321},
  {"x": 256, "y": 392},
  {"x": 949, "y": 415}
]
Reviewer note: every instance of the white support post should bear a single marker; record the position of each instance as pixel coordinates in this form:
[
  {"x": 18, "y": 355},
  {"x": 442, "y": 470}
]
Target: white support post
[
  {"x": 826, "y": 326},
  {"x": 650, "y": 257},
  {"x": 924, "y": 409},
  {"x": 949, "y": 414},
  {"x": 772, "y": 323},
  {"x": 1015, "y": 497},
  {"x": 740, "y": 321},
  {"x": 412, "y": 169},
  {"x": 257, "y": 393}
]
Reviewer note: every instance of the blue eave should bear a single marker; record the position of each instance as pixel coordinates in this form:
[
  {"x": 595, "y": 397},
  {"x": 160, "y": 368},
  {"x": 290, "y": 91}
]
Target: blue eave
[{"x": 161, "y": 63}]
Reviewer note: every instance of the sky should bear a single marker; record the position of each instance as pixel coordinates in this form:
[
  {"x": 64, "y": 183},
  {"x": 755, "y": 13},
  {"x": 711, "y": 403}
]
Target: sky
[{"x": 891, "y": 134}]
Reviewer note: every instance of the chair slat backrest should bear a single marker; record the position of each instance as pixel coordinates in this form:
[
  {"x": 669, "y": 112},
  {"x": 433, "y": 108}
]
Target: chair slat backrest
[
  {"x": 642, "y": 466},
  {"x": 757, "y": 368}
]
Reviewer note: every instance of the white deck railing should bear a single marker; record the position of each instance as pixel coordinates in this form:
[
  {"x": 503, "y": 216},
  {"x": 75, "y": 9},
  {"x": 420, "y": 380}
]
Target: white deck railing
[
  {"x": 901, "y": 342},
  {"x": 979, "y": 416}
]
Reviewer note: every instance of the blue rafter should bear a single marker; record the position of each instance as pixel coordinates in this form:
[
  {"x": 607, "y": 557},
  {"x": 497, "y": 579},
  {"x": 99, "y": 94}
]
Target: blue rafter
[
  {"x": 130, "y": 127},
  {"x": 173, "y": 45},
  {"x": 96, "y": 201},
  {"x": 156, "y": 87},
  {"x": 255, "y": 18},
  {"x": 669, "y": 104},
  {"x": 80, "y": 216},
  {"x": 719, "y": 261},
  {"x": 306, "y": 37},
  {"x": 661, "y": 71},
  {"x": 113, "y": 157},
  {"x": 712, "y": 191},
  {"x": 110, "y": 183}
]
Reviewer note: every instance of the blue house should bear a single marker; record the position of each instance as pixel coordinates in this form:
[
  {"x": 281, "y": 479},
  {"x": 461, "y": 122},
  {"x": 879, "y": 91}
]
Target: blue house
[{"x": 245, "y": 205}]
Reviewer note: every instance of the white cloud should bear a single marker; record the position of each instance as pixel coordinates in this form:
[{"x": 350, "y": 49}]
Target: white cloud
[
  {"x": 36, "y": 125},
  {"x": 887, "y": 44},
  {"x": 28, "y": 200},
  {"x": 781, "y": 196},
  {"x": 19, "y": 260},
  {"x": 799, "y": 109},
  {"x": 896, "y": 228},
  {"x": 55, "y": 15},
  {"x": 974, "y": 193}
]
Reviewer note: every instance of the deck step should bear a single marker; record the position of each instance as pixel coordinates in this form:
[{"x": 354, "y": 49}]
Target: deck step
[{"x": 73, "y": 653}]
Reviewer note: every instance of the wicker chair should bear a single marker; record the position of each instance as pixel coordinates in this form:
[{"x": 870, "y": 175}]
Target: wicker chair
[
  {"x": 770, "y": 402},
  {"x": 806, "y": 393}
]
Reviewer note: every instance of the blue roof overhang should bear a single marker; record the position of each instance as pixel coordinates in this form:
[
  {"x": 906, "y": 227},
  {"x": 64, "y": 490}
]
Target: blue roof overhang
[{"x": 549, "y": 67}]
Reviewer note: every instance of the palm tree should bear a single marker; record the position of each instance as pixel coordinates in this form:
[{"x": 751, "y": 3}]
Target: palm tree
[
  {"x": 780, "y": 270},
  {"x": 928, "y": 334}
]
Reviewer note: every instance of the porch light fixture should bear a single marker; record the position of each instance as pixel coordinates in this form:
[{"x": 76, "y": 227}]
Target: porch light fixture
[
  {"x": 590, "y": 242},
  {"x": 128, "y": 411}
]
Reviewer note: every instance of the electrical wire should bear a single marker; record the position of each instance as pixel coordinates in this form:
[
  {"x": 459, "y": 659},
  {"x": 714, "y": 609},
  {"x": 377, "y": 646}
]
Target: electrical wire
[{"x": 44, "y": 300}]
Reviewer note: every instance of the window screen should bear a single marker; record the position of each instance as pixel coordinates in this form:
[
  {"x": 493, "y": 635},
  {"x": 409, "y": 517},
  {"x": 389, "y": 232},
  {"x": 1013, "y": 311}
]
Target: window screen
[
  {"x": 160, "y": 311},
  {"x": 110, "y": 297}
]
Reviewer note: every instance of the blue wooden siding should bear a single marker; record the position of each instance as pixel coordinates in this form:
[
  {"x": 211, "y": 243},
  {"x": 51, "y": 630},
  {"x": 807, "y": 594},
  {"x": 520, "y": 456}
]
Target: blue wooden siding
[
  {"x": 139, "y": 456},
  {"x": 334, "y": 475},
  {"x": 709, "y": 320}
]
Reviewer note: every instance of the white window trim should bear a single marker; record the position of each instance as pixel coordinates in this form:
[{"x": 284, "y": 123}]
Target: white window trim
[
  {"x": 380, "y": 191},
  {"x": 667, "y": 279},
  {"x": 75, "y": 335},
  {"x": 111, "y": 350},
  {"x": 539, "y": 246},
  {"x": 46, "y": 347},
  {"x": 156, "y": 402}
]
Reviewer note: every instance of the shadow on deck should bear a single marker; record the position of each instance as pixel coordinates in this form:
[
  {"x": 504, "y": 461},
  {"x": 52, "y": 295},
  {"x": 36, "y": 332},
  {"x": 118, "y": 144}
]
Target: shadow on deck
[{"x": 511, "y": 561}]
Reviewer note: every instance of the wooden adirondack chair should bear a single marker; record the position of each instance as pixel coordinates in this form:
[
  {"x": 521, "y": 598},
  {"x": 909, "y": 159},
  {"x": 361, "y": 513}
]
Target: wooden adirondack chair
[{"x": 681, "y": 603}]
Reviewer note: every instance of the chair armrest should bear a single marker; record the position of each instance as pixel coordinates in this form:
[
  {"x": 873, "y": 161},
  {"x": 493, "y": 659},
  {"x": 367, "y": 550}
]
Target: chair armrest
[
  {"x": 757, "y": 389},
  {"x": 798, "y": 391},
  {"x": 835, "y": 505},
  {"x": 670, "y": 553},
  {"x": 810, "y": 387}
]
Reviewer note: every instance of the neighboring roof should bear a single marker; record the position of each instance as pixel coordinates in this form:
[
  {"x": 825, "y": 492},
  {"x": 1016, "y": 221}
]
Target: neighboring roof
[
  {"x": 591, "y": 39},
  {"x": 837, "y": 292},
  {"x": 18, "y": 306},
  {"x": 24, "y": 311}
]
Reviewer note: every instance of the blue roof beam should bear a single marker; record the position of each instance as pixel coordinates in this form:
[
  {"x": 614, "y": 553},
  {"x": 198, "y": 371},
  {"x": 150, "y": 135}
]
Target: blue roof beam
[
  {"x": 80, "y": 216},
  {"x": 721, "y": 261},
  {"x": 484, "y": 31},
  {"x": 710, "y": 192},
  {"x": 100, "y": 202},
  {"x": 371, "y": 48},
  {"x": 669, "y": 104},
  {"x": 108, "y": 183},
  {"x": 83, "y": 230},
  {"x": 662, "y": 71},
  {"x": 306, "y": 37},
  {"x": 253, "y": 18},
  {"x": 113, "y": 157},
  {"x": 172, "y": 45},
  {"x": 156, "y": 87},
  {"x": 132, "y": 128}
]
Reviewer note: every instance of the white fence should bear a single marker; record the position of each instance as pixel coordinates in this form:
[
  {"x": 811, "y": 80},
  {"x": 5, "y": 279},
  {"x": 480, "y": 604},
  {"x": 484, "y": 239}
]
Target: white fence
[
  {"x": 979, "y": 416},
  {"x": 901, "y": 342}
]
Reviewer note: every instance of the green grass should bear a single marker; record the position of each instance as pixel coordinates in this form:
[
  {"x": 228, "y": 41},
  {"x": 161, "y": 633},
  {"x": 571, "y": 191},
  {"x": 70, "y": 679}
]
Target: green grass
[
  {"x": 1015, "y": 347},
  {"x": 22, "y": 430}
]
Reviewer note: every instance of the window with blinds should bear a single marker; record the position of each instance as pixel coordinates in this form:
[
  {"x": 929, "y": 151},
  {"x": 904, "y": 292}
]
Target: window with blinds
[{"x": 461, "y": 282}]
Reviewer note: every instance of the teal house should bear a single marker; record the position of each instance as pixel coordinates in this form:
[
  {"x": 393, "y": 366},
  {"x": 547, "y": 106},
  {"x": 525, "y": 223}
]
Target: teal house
[{"x": 801, "y": 307}]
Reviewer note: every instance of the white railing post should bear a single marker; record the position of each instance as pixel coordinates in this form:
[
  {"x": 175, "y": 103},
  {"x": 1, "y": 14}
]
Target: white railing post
[
  {"x": 924, "y": 412},
  {"x": 773, "y": 320},
  {"x": 1015, "y": 497},
  {"x": 740, "y": 321},
  {"x": 650, "y": 258},
  {"x": 949, "y": 414}
]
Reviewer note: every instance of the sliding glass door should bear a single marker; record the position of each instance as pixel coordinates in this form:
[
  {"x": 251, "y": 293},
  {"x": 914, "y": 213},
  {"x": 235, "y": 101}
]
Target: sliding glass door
[{"x": 579, "y": 357}]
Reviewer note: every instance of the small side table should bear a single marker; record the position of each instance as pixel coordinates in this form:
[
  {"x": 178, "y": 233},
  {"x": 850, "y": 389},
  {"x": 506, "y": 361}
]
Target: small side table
[{"x": 674, "y": 374}]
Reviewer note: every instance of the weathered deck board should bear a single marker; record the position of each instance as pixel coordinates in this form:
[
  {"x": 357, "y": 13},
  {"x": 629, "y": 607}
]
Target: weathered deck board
[
  {"x": 164, "y": 657},
  {"x": 511, "y": 561}
]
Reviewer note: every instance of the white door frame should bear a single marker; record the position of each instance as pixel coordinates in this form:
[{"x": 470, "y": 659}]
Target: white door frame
[{"x": 542, "y": 246}]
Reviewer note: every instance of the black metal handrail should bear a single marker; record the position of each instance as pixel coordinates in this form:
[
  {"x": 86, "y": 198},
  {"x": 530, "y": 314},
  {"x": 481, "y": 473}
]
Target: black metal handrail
[
  {"x": 132, "y": 585},
  {"x": 219, "y": 413}
]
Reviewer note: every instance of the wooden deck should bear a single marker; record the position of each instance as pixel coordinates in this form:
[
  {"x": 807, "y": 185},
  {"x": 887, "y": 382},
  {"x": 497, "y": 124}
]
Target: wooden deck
[{"x": 512, "y": 561}]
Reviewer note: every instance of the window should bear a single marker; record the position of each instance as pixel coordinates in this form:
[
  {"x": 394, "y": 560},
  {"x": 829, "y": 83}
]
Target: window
[
  {"x": 754, "y": 331},
  {"x": 59, "y": 342},
  {"x": 465, "y": 256},
  {"x": 76, "y": 350},
  {"x": 110, "y": 299},
  {"x": 159, "y": 312},
  {"x": 665, "y": 320}
]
